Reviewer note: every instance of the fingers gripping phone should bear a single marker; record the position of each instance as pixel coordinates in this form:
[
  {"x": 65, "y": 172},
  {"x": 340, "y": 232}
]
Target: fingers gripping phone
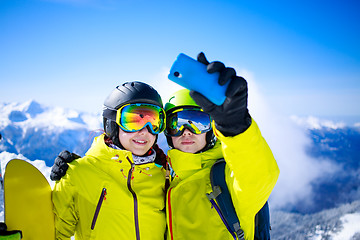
[{"x": 192, "y": 75}]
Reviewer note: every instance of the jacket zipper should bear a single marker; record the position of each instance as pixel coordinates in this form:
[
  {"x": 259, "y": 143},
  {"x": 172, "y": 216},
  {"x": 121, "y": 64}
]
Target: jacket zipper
[
  {"x": 136, "y": 210},
  {"x": 170, "y": 213},
  {"x": 96, "y": 214},
  {"x": 213, "y": 203}
]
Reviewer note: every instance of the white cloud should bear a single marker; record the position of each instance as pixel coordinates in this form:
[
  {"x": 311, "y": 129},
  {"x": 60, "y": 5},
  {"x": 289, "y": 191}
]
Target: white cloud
[
  {"x": 288, "y": 142},
  {"x": 163, "y": 85}
]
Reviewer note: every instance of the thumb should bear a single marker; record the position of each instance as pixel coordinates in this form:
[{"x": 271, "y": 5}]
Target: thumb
[
  {"x": 201, "y": 58},
  {"x": 202, "y": 101}
]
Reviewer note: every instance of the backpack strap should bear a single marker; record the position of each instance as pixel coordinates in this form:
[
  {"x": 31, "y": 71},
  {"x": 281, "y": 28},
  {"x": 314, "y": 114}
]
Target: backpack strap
[
  {"x": 262, "y": 223},
  {"x": 224, "y": 206}
]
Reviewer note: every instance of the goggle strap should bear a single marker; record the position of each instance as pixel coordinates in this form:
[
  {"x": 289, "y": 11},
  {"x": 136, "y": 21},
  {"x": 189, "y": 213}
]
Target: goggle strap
[
  {"x": 109, "y": 113},
  {"x": 186, "y": 108},
  {"x": 183, "y": 127},
  {"x": 188, "y": 127}
]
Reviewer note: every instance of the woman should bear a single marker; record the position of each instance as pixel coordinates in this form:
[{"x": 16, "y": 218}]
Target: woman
[{"x": 117, "y": 190}]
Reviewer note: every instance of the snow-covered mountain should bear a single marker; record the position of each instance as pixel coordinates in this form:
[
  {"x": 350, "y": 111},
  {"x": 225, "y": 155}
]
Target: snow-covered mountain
[
  {"x": 317, "y": 195},
  {"x": 40, "y": 132},
  {"x": 340, "y": 223},
  {"x": 340, "y": 145}
]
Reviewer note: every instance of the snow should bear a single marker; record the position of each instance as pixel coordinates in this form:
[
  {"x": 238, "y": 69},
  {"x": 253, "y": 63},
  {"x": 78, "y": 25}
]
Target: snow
[
  {"x": 40, "y": 132},
  {"x": 5, "y": 157},
  {"x": 318, "y": 233},
  {"x": 32, "y": 114},
  {"x": 351, "y": 226}
]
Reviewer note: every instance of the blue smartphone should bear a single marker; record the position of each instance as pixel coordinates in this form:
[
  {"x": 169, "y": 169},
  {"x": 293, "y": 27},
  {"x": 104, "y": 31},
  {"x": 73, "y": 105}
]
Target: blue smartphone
[{"x": 192, "y": 75}]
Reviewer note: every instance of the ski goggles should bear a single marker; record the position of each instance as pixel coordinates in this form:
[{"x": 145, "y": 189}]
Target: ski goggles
[
  {"x": 193, "y": 119},
  {"x": 134, "y": 117}
]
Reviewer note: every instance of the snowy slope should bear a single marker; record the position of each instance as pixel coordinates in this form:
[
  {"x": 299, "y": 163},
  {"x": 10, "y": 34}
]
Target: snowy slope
[{"x": 341, "y": 223}]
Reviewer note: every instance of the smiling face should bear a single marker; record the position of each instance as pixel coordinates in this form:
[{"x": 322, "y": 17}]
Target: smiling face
[
  {"x": 137, "y": 142},
  {"x": 189, "y": 142}
]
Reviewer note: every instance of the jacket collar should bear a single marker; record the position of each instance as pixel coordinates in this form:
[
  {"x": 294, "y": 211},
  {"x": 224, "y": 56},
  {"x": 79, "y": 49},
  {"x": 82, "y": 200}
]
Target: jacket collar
[
  {"x": 103, "y": 152},
  {"x": 185, "y": 164}
]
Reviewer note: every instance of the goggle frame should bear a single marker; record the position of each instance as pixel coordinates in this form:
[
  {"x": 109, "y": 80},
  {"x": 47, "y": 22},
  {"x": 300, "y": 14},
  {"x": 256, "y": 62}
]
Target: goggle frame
[
  {"x": 149, "y": 125},
  {"x": 190, "y": 125}
]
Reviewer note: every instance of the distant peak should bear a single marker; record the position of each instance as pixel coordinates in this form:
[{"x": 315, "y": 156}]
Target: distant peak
[
  {"x": 17, "y": 116},
  {"x": 34, "y": 108}
]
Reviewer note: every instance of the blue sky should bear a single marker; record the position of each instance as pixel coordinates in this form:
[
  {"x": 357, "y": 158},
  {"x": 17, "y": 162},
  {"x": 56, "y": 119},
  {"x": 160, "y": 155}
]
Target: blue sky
[{"x": 303, "y": 56}]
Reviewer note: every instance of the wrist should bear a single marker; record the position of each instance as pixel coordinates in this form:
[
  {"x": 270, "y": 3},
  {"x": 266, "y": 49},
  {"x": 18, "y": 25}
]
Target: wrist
[{"x": 233, "y": 128}]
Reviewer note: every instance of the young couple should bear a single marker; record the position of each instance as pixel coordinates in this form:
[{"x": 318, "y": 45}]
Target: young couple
[{"x": 119, "y": 189}]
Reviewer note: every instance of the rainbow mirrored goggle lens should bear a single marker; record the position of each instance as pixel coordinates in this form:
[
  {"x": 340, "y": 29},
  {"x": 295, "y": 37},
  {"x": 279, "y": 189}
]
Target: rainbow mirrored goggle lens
[
  {"x": 134, "y": 117},
  {"x": 193, "y": 119}
]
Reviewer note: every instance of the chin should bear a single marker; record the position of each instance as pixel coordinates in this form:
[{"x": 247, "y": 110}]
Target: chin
[
  {"x": 139, "y": 153},
  {"x": 188, "y": 150}
]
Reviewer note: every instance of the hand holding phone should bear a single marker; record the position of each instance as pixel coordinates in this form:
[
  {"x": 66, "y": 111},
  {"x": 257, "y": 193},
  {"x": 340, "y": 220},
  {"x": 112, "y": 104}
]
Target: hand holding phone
[{"x": 192, "y": 75}]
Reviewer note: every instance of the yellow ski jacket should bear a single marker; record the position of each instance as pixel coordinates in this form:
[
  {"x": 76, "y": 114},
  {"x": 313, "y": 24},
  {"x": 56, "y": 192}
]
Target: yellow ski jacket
[
  {"x": 251, "y": 173},
  {"x": 104, "y": 195}
]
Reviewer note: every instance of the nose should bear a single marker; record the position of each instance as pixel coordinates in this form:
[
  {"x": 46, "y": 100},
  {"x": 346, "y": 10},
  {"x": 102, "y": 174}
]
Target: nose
[
  {"x": 145, "y": 130},
  {"x": 187, "y": 132}
]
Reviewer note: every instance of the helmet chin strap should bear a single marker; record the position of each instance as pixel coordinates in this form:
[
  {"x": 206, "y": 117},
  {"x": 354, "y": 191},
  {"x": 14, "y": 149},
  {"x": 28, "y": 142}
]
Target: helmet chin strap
[{"x": 210, "y": 141}]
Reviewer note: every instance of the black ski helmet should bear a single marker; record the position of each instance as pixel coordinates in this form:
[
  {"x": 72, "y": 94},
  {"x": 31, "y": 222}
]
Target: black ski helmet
[{"x": 128, "y": 92}]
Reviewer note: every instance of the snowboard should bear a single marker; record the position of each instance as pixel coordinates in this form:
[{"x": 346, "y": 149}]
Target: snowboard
[{"x": 27, "y": 200}]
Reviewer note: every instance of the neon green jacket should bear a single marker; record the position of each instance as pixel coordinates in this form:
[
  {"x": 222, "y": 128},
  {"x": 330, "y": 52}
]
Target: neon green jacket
[
  {"x": 251, "y": 173},
  {"x": 105, "y": 196}
]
